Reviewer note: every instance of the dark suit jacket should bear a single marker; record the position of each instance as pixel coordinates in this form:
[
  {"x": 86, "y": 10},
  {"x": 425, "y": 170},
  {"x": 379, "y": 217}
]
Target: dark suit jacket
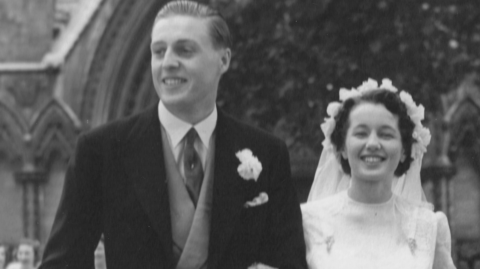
[{"x": 116, "y": 185}]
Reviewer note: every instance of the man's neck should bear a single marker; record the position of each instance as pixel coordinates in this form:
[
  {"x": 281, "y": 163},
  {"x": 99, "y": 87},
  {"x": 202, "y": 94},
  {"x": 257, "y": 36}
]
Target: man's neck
[{"x": 190, "y": 114}]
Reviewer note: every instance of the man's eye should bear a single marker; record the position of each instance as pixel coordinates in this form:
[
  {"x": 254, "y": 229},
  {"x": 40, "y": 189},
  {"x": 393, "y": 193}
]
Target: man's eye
[
  {"x": 159, "y": 52},
  {"x": 185, "y": 51}
]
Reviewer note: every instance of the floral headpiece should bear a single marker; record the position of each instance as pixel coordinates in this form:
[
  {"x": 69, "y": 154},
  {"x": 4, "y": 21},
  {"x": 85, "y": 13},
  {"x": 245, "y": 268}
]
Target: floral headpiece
[{"x": 421, "y": 134}]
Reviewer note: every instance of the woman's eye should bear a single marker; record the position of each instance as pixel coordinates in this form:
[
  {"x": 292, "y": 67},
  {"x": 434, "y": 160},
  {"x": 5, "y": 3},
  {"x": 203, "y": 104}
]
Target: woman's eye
[
  {"x": 360, "y": 134},
  {"x": 387, "y": 135}
]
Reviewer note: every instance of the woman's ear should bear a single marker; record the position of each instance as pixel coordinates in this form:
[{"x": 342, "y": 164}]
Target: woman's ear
[{"x": 403, "y": 157}]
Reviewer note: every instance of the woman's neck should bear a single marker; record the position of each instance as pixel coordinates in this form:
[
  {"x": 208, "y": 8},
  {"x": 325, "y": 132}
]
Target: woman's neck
[{"x": 370, "y": 192}]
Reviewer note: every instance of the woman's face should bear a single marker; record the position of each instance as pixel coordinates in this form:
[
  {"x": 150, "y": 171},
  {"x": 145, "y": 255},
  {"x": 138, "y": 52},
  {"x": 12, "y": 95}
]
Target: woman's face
[
  {"x": 25, "y": 254},
  {"x": 373, "y": 144}
]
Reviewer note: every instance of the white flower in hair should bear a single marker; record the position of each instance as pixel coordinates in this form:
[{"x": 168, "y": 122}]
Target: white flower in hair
[
  {"x": 346, "y": 94},
  {"x": 387, "y": 85},
  {"x": 329, "y": 125},
  {"x": 416, "y": 113},
  {"x": 368, "y": 85},
  {"x": 333, "y": 108},
  {"x": 422, "y": 136}
]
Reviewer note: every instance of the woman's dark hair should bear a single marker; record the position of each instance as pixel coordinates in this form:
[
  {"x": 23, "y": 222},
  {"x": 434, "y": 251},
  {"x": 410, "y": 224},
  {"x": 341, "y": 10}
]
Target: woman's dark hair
[{"x": 392, "y": 103}]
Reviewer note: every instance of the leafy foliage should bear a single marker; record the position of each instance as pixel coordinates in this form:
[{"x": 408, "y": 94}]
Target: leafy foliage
[{"x": 290, "y": 57}]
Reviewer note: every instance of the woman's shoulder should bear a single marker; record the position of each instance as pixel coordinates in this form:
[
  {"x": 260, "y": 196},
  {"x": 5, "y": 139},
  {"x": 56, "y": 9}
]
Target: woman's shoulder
[
  {"x": 411, "y": 208},
  {"x": 422, "y": 223},
  {"x": 317, "y": 218},
  {"x": 329, "y": 205}
]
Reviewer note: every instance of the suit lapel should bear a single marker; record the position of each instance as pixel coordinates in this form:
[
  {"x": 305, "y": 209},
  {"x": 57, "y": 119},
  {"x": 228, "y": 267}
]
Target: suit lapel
[
  {"x": 144, "y": 164},
  {"x": 227, "y": 189}
]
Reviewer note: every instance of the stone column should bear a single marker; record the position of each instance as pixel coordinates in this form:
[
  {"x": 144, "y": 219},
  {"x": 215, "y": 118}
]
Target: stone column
[{"x": 31, "y": 180}]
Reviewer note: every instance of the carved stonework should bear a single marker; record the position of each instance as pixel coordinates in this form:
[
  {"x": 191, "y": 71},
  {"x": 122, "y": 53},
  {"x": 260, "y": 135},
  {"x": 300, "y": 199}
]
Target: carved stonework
[
  {"x": 34, "y": 127},
  {"x": 27, "y": 91},
  {"x": 30, "y": 182},
  {"x": 116, "y": 80},
  {"x": 102, "y": 56},
  {"x": 26, "y": 88},
  {"x": 462, "y": 119},
  {"x": 12, "y": 128},
  {"x": 55, "y": 130}
]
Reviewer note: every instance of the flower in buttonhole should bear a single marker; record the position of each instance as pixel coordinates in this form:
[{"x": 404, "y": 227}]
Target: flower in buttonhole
[{"x": 250, "y": 167}]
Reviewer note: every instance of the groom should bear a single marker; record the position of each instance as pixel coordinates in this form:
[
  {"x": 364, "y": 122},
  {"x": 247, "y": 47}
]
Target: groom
[{"x": 181, "y": 185}]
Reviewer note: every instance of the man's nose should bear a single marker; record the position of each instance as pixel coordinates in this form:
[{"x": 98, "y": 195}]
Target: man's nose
[{"x": 170, "y": 60}]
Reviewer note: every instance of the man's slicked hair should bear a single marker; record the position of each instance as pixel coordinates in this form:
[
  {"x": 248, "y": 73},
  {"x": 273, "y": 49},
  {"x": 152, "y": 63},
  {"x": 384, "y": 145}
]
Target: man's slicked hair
[{"x": 218, "y": 26}]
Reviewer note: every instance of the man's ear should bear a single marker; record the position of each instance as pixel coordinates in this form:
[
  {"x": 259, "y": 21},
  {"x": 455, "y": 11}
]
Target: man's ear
[{"x": 226, "y": 55}]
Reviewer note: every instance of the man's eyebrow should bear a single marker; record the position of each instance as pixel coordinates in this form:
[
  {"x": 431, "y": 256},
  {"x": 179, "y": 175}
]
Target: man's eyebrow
[
  {"x": 180, "y": 41},
  {"x": 185, "y": 41},
  {"x": 157, "y": 43}
]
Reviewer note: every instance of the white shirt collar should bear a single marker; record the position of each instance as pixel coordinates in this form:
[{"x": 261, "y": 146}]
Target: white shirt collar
[{"x": 177, "y": 128}]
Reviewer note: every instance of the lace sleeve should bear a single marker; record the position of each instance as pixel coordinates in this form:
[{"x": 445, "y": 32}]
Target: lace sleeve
[
  {"x": 309, "y": 230},
  {"x": 443, "y": 253}
]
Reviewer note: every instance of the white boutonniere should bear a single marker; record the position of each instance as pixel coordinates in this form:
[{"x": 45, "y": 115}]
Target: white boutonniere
[{"x": 250, "y": 167}]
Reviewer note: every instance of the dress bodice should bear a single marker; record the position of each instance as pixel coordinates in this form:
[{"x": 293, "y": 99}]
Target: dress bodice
[{"x": 343, "y": 233}]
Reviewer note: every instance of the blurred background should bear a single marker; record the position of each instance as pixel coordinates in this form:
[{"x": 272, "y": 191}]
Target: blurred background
[{"x": 67, "y": 66}]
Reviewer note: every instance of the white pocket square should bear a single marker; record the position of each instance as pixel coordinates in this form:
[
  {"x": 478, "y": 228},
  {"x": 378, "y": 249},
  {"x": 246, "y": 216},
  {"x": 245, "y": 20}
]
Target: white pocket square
[
  {"x": 260, "y": 266},
  {"x": 261, "y": 199}
]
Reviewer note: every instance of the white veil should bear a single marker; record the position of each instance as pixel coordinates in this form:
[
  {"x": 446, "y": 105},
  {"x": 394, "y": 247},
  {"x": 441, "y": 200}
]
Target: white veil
[{"x": 329, "y": 177}]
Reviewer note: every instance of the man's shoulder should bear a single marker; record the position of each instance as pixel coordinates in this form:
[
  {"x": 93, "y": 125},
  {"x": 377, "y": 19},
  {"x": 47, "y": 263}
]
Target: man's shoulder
[
  {"x": 119, "y": 129},
  {"x": 252, "y": 133}
]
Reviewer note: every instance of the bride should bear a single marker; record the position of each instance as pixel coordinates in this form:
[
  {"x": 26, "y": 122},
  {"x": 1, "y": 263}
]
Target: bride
[{"x": 366, "y": 208}]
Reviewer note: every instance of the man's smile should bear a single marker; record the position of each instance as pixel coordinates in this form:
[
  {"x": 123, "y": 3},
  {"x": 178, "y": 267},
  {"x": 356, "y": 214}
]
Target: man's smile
[{"x": 173, "y": 81}]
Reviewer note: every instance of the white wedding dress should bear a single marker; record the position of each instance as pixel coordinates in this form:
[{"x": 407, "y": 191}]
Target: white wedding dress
[{"x": 341, "y": 233}]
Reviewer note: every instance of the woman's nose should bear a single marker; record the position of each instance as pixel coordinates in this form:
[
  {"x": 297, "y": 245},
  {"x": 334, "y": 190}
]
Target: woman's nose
[{"x": 373, "y": 142}]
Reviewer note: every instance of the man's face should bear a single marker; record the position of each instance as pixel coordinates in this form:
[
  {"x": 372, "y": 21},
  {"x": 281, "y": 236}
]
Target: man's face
[{"x": 186, "y": 67}]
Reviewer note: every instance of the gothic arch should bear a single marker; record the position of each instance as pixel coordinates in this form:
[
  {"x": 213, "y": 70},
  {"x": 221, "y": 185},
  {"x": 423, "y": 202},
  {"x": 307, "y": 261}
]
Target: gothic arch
[
  {"x": 12, "y": 130},
  {"x": 465, "y": 128},
  {"x": 119, "y": 80},
  {"x": 463, "y": 119},
  {"x": 54, "y": 132}
]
